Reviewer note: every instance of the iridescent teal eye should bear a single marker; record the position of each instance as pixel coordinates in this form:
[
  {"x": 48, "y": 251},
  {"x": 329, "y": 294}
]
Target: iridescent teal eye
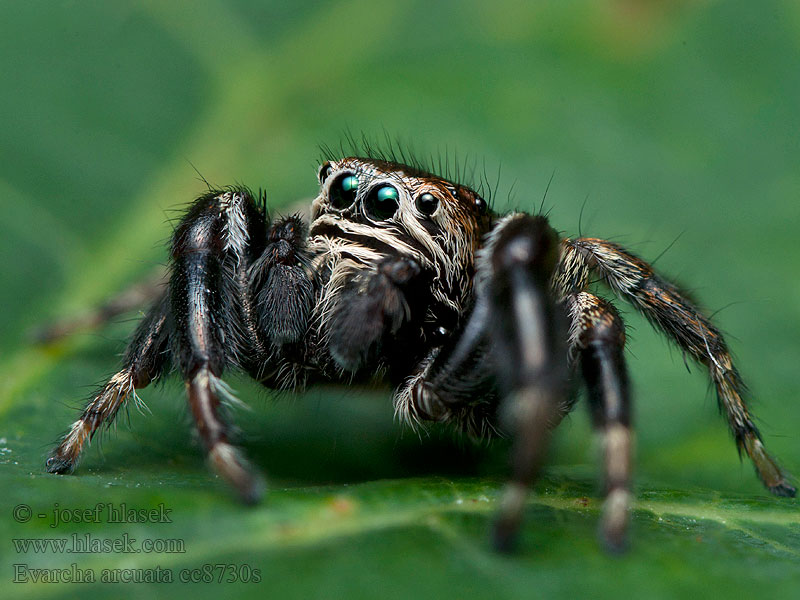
[
  {"x": 350, "y": 183},
  {"x": 427, "y": 204},
  {"x": 382, "y": 202},
  {"x": 343, "y": 191}
]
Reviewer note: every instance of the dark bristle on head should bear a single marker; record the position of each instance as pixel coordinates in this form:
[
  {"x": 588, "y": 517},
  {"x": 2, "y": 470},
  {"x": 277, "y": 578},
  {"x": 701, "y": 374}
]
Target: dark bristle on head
[{"x": 447, "y": 165}]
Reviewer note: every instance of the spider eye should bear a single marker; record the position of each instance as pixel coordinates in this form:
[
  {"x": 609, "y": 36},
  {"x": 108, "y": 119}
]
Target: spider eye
[
  {"x": 427, "y": 204},
  {"x": 324, "y": 172},
  {"x": 382, "y": 202},
  {"x": 480, "y": 205},
  {"x": 342, "y": 192}
]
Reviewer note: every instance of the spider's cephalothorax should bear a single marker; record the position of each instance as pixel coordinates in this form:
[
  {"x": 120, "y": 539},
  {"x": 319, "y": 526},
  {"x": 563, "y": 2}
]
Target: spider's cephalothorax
[
  {"x": 402, "y": 274},
  {"x": 416, "y": 232}
]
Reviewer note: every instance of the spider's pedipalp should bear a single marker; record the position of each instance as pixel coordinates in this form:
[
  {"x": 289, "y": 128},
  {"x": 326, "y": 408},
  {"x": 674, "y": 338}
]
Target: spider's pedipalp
[
  {"x": 597, "y": 336},
  {"x": 280, "y": 286},
  {"x": 666, "y": 307},
  {"x": 145, "y": 359},
  {"x": 376, "y": 308}
]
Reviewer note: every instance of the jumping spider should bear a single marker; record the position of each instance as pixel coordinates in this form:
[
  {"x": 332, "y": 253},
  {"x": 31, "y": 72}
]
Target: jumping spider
[{"x": 413, "y": 277}]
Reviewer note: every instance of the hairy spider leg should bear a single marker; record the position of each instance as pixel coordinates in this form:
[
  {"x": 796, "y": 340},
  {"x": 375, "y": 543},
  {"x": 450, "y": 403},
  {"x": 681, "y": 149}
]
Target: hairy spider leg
[
  {"x": 514, "y": 338},
  {"x": 145, "y": 359},
  {"x": 669, "y": 309},
  {"x": 597, "y": 341},
  {"x": 138, "y": 296},
  {"x": 211, "y": 248},
  {"x": 528, "y": 330}
]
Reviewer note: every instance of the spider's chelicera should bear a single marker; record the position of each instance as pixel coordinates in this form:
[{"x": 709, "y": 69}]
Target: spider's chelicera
[{"x": 407, "y": 275}]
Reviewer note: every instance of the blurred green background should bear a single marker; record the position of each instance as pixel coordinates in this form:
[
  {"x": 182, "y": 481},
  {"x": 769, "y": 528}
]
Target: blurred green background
[{"x": 673, "y": 118}]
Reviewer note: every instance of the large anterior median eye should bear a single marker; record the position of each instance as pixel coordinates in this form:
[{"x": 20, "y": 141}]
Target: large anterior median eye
[
  {"x": 382, "y": 202},
  {"x": 343, "y": 191}
]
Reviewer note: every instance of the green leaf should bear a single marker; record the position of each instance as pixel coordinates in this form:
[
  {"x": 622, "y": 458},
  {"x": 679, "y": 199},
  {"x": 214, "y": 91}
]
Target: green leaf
[{"x": 670, "y": 117}]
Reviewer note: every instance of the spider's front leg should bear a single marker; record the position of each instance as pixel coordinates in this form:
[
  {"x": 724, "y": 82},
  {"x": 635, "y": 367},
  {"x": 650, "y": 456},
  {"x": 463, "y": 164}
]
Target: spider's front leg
[
  {"x": 515, "y": 341},
  {"x": 527, "y": 329},
  {"x": 214, "y": 318},
  {"x": 207, "y": 321}
]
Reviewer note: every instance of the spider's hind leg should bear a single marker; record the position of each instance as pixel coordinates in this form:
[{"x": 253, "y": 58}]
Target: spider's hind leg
[
  {"x": 137, "y": 296},
  {"x": 669, "y": 309},
  {"x": 597, "y": 339},
  {"x": 145, "y": 359}
]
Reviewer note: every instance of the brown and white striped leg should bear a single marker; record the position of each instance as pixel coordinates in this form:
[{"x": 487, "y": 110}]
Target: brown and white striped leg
[
  {"x": 145, "y": 359},
  {"x": 669, "y": 309},
  {"x": 597, "y": 335}
]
